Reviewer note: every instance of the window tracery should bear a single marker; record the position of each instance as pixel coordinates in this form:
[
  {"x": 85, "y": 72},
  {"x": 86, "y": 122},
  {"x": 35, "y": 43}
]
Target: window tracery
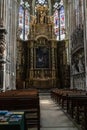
[
  {"x": 59, "y": 20},
  {"x": 24, "y": 19}
]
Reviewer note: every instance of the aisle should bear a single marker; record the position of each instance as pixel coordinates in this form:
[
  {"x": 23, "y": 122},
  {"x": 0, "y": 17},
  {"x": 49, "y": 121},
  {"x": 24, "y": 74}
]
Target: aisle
[{"x": 52, "y": 117}]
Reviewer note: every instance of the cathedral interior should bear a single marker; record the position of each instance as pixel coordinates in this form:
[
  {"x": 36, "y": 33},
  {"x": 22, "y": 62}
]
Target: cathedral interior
[
  {"x": 43, "y": 44},
  {"x": 43, "y": 47}
]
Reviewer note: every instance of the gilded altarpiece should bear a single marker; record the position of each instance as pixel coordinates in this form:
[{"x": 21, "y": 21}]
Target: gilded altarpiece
[
  {"x": 42, "y": 55},
  {"x": 42, "y": 60}
]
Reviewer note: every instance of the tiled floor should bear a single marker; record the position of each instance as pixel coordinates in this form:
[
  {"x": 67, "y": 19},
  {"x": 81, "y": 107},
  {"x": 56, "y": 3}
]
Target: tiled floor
[{"x": 52, "y": 117}]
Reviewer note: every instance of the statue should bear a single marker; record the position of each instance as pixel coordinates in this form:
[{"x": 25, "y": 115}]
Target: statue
[
  {"x": 42, "y": 16},
  {"x": 81, "y": 69},
  {"x": 33, "y": 19}
]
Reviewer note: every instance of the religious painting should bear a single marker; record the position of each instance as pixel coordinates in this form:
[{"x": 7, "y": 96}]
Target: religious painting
[{"x": 42, "y": 57}]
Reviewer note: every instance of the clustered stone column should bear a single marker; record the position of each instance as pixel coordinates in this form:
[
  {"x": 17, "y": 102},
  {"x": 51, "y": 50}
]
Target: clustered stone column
[
  {"x": 2, "y": 53},
  {"x": 85, "y": 39}
]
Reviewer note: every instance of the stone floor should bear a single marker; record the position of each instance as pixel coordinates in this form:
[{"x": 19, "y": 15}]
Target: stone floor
[{"x": 52, "y": 116}]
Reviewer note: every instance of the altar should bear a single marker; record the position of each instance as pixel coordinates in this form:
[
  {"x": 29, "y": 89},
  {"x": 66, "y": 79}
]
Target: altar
[
  {"x": 40, "y": 52},
  {"x": 42, "y": 60},
  {"x": 44, "y": 83}
]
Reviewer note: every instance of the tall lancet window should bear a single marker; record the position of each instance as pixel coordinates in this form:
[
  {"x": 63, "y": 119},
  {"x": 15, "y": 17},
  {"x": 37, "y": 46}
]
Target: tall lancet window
[
  {"x": 59, "y": 20},
  {"x": 24, "y": 19}
]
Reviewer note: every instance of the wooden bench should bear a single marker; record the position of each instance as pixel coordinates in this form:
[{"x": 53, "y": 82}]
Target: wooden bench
[
  {"x": 60, "y": 95},
  {"x": 75, "y": 102},
  {"x": 23, "y": 100},
  {"x": 77, "y": 107}
]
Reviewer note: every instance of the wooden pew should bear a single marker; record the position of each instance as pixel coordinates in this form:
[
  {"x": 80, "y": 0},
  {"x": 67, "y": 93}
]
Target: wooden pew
[
  {"x": 77, "y": 108},
  {"x": 23, "y": 100},
  {"x": 60, "y": 95},
  {"x": 76, "y": 104}
]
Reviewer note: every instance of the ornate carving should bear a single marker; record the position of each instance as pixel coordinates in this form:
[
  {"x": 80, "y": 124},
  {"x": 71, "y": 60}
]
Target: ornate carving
[
  {"x": 41, "y": 24},
  {"x": 19, "y": 31},
  {"x": 40, "y": 48},
  {"x": 78, "y": 63}
]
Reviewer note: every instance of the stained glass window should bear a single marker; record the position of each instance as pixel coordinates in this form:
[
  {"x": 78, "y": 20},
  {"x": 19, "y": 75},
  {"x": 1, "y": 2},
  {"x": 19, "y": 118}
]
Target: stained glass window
[
  {"x": 59, "y": 20},
  {"x": 62, "y": 23},
  {"x": 56, "y": 22},
  {"x": 24, "y": 20}
]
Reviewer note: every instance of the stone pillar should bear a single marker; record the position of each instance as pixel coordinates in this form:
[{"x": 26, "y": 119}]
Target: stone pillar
[
  {"x": 85, "y": 39},
  {"x": 1, "y": 9},
  {"x": 70, "y": 30},
  {"x": 2, "y": 55}
]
